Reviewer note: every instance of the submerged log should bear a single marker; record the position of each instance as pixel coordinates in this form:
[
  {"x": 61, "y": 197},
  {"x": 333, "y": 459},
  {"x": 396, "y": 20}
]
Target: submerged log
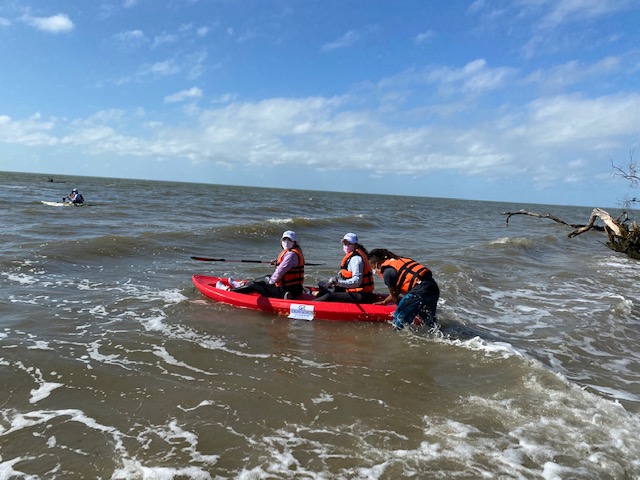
[{"x": 622, "y": 238}]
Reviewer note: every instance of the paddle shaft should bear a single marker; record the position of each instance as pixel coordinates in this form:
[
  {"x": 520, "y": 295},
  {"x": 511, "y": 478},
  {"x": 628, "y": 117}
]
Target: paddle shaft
[{"x": 207, "y": 259}]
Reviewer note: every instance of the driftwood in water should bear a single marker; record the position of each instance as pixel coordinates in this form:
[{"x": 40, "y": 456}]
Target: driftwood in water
[
  {"x": 543, "y": 215},
  {"x": 604, "y": 216},
  {"x": 622, "y": 238}
]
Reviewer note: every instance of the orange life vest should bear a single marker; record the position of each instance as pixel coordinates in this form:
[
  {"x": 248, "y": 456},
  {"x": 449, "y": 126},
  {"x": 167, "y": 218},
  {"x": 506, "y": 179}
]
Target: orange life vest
[
  {"x": 366, "y": 285},
  {"x": 295, "y": 275},
  {"x": 409, "y": 273}
]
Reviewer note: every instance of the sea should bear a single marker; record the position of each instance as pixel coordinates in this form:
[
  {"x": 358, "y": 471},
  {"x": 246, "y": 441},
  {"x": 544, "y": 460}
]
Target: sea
[{"x": 115, "y": 367}]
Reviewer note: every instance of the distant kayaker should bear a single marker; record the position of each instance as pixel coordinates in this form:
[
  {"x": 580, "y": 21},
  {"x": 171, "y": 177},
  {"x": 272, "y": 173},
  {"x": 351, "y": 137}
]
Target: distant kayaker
[
  {"x": 411, "y": 287},
  {"x": 287, "y": 280},
  {"x": 354, "y": 282},
  {"x": 74, "y": 197}
]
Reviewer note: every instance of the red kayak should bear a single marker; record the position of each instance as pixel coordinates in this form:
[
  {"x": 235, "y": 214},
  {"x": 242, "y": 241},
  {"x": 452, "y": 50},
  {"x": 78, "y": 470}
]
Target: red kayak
[{"x": 302, "y": 308}]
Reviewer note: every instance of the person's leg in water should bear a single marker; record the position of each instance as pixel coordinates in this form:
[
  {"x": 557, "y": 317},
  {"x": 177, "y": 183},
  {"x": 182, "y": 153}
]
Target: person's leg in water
[
  {"x": 406, "y": 311},
  {"x": 427, "y": 312},
  {"x": 421, "y": 300}
]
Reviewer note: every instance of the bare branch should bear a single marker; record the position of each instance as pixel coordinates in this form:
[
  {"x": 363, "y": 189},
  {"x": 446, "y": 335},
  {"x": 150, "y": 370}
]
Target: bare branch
[
  {"x": 623, "y": 238},
  {"x": 538, "y": 215},
  {"x": 630, "y": 174}
]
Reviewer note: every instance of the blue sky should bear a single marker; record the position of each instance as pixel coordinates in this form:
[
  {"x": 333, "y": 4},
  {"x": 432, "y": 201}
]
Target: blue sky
[{"x": 526, "y": 101}]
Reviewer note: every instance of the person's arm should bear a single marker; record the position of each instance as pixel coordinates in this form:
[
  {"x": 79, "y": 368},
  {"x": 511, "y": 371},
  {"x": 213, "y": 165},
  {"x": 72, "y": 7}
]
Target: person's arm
[
  {"x": 289, "y": 261},
  {"x": 356, "y": 267},
  {"x": 390, "y": 276}
]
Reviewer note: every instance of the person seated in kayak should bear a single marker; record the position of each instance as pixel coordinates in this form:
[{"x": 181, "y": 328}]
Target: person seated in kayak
[
  {"x": 411, "y": 287},
  {"x": 354, "y": 282},
  {"x": 74, "y": 197},
  {"x": 288, "y": 277}
]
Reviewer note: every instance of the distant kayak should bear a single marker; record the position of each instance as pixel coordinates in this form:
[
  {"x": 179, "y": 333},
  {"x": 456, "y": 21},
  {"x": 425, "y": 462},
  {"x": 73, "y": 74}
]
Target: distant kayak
[
  {"x": 61, "y": 204},
  {"x": 302, "y": 308}
]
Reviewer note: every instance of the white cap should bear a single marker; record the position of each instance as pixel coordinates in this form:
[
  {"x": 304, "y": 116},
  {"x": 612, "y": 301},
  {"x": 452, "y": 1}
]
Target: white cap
[
  {"x": 290, "y": 234},
  {"x": 351, "y": 238}
]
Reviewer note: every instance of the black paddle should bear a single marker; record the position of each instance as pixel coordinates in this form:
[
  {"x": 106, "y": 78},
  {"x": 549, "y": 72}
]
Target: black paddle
[{"x": 207, "y": 259}]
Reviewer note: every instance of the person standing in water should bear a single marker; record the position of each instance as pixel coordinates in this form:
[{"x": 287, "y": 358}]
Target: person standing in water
[{"x": 411, "y": 286}]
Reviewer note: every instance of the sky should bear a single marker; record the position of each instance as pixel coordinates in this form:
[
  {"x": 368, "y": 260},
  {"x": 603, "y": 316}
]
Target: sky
[{"x": 524, "y": 101}]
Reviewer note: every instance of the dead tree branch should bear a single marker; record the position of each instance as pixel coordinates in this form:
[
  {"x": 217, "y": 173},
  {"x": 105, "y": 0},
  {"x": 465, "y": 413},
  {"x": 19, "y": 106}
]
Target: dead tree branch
[
  {"x": 630, "y": 174},
  {"x": 549, "y": 216},
  {"x": 604, "y": 216},
  {"x": 622, "y": 238}
]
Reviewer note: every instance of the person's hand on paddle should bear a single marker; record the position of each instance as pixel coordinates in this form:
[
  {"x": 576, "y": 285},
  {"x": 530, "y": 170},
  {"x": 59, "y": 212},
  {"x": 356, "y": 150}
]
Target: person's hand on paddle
[{"x": 332, "y": 282}]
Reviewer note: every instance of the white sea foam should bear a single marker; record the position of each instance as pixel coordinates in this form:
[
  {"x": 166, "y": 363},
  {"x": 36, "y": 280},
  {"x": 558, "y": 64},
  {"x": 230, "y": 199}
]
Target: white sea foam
[
  {"x": 19, "y": 421},
  {"x": 171, "y": 360},
  {"x": 281, "y": 221},
  {"x": 617, "y": 394},
  {"x": 134, "y": 469},
  {"x": 518, "y": 242},
  {"x": 624, "y": 307},
  {"x": 204, "y": 403},
  {"x": 21, "y": 278},
  {"x": 44, "y": 387},
  {"x": 177, "y": 438},
  {"x": 324, "y": 398},
  {"x": 501, "y": 349},
  {"x": 40, "y": 345},
  {"x": 8, "y": 472},
  {"x": 158, "y": 323},
  {"x": 43, "y": 391},
  {"x": 93, "y": 353},
  {"x": 149, "y": 293}
]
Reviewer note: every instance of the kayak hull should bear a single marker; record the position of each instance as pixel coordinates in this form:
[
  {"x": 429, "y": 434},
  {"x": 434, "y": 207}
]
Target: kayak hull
[
  {"x": 61, "y": 204},
  {"x": 303, "y": 308}
]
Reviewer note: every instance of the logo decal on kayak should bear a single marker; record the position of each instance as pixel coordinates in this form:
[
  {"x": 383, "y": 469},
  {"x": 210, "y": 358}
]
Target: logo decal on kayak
[{"x": 301, "y": 311}]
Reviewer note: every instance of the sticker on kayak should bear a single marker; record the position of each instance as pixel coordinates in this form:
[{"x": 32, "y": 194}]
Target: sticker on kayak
[{"x": 301, "y": 311}]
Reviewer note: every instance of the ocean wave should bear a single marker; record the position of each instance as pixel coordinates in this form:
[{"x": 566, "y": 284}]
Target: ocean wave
[
  {"x": 307, "y": 228},
  {"x": 98, "y": 247},
  {"x": 519, "y": 242}
]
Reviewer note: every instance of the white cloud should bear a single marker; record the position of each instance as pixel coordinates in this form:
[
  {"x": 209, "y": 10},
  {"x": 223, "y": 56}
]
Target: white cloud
[
  {"x": 346, "y": 40},
  {"x": 475, "y": 76},
  {"x": 579, "y": 123},
  {"x": 59, "y": 23},
  {"x": 573, "y": 72},
  {"x": 562, "y": 11},
  {"x": 476, "y": 6},
  {"x": 131, "y": 38},
  {"x": 162, "y": 69},
  {"x": 225, "y": 98},
  {"x": 193, "y": 92},
  {"x": 540, "y": 26},
  {"x": 548, "y": 135},
  {"x": 424, "y": 37},
  {"x": 165, "y": 38},
  {"x": 30, "y": 132}
]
